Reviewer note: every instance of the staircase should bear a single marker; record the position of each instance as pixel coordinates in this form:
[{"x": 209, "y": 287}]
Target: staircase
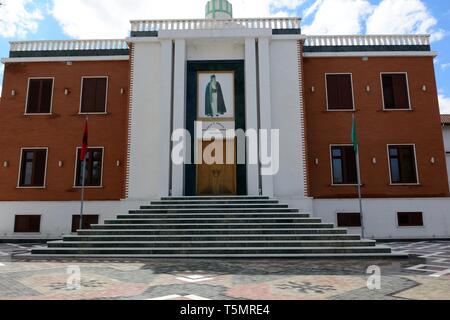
[{"x": 213, "y": 227}]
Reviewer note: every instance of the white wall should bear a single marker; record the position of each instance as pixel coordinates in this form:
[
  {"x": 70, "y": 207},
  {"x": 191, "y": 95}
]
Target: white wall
[
  {"x": 56, "y": 217},
  {"x": 448, "y": 167},
  {"x": 380, "y": 216},
  {"x": 446, "y": 132},
  {"x": 145, "y": 129},
  {"x": 215, "y": 49},
  {"x": 285, "y": 100}
]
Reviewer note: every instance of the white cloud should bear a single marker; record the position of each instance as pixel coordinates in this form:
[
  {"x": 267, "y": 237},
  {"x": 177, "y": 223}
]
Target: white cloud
[
  {"x": 445, "y": 66},
  {"x": 289, "y": 4},
  {"x": 18, "y": 18},
  {"x": 402, "y": 17},
  {"x": 444, "y": 104},
  {"x": 360, "y": 16},
  {"x": 337, "y": 16},
  {"x": 110, "y": 19}
]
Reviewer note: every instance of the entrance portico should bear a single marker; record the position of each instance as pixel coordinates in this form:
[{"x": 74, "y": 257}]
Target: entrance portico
[{"x": 252, "y": 49}]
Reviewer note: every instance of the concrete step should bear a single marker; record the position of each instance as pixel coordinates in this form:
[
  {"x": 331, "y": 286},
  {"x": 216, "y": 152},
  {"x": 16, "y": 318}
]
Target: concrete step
[
  {"x": 212, "y": 215},
  {"x": 217, "y": 210},
  {"x": 127, "y": 220},
  {"x": 195, "y": 198},
  {"x": 229, "y": 237},
  {"x": 144, "y": 257},
  {"x": 212, "y": 227},
  {"x": 218, "y": 250},
  {"x": 238, "y": 202},
  {"x": 211, "y": 244},
  {"x": 215, "y": 206},
  {"x": 208, "y": 231},
  {"x": 183, "y": 226}
]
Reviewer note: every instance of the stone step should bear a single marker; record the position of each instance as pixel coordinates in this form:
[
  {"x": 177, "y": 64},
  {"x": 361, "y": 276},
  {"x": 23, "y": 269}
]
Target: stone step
[
  {"x": 143, "y": 257},
  {"x": 212, "y": 215},
  {"x": 217, "y": 210},
  {"x": 211, "y": 244},
  {"x": 183, "y": 226},
  {"x": 127, "y": 220},
  {"x": 239, "y": 202},
  {"x": 206, "y": 251},
  {"x": 195, "y": 198},
  {"x": 214, "y": 206},
  {"x": 177, "y": 232},
  {"x": 230, "y": 237}
]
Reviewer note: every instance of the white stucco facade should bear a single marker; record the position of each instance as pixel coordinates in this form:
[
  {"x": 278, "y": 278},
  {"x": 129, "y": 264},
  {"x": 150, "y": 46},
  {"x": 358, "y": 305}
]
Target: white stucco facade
[
  {"x": 272, "y": 101},
  {"x": 446, "y": 133}
]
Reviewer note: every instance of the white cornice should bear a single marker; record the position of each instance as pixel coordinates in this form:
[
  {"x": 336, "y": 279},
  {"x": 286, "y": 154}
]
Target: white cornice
[
  {"x": 65, "y": 59},
  {"x": 370, "y": 54}
]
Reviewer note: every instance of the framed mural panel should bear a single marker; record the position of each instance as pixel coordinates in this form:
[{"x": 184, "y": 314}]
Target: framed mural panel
[
  {"x": 231, "y": 76},
  {"x": 216, "y": 96}
]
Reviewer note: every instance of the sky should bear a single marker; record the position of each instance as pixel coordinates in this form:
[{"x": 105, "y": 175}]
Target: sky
[{"x": 88, "y": 19}]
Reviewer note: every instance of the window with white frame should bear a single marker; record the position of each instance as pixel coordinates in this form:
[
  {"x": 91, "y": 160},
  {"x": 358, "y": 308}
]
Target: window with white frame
[
  {"x": 39, "y": 96},
  {"x": 94, "y": 94},
  {"x": 395, "y": 91},
  {"x": 339, "y": 92},
  {"x": 93, "y": 168},
  {"x": 403, "y": 167},
  {"x": 33, "y": 168},
  {"x": 343, "y": 162}
]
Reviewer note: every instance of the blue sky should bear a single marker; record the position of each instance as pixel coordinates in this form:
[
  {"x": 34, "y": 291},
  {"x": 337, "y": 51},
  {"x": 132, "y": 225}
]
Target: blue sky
[{"x": 62, "y": 19}]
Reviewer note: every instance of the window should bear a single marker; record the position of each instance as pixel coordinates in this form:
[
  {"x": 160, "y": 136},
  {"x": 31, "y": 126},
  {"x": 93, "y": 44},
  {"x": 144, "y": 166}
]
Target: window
[
  {"x": 27, "y": 224},
  {"x": 410, "y": 219},
  {"x": 33, "y": 167},
  {"x": 39, "y": 98},
  {"x": 94, "y": 164},
  {"x": 395, "y": 91},
  {"x": 349, "y": 220},
  {"x": 343, "y": 161},
  {"x": 339, "y": 92},
  {"x": 403, "y": 164},
  {"x": 88, "y": 220},
  {"x": 93, "y": 97}
]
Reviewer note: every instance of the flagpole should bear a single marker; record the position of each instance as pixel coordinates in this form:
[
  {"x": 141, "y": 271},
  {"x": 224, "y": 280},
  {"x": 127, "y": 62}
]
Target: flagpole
[
  {"x": 358, "y": 169},
  {"x": 358, "y": 173}
]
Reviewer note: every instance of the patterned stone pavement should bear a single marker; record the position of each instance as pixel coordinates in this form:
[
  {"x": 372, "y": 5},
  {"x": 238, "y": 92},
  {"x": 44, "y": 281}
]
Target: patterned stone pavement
[{"x": 425, "y": 276}]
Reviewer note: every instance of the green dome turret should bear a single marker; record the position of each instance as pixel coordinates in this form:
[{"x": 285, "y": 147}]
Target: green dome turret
[{"x": 219, "y": 9}]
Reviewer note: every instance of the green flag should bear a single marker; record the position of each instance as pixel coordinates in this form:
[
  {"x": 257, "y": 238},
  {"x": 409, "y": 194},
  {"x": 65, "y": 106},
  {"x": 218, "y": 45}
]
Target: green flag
[{"x": 354, "y": 134}]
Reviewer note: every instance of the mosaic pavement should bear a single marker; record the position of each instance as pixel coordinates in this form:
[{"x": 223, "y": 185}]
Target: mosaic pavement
[{"x": 425, "y": 276}]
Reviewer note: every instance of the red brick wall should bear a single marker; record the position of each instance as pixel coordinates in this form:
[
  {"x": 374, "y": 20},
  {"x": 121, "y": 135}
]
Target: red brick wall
[
  {"x": 377, "y": 128},
  {"x": 62, "y": 131}
]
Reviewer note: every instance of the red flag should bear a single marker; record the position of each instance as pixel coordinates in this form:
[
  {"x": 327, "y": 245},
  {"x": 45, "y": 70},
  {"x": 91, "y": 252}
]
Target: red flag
[{"x": 84, "y": 149}]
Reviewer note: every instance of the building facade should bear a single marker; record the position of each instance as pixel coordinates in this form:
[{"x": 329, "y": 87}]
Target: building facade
[{"x": 260, "y": 74}]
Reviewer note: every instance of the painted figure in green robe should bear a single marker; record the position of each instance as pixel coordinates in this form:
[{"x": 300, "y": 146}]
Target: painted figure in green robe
[{"x": 215, "y": 104}]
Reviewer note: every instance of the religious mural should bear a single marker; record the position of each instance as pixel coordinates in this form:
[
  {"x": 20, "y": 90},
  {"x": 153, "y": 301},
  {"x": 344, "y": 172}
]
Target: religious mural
[{"x": 216, "y": 95}]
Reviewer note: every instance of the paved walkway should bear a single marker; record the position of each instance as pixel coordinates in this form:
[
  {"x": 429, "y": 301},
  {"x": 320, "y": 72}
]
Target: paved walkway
[{"x": 426, "y": 276}]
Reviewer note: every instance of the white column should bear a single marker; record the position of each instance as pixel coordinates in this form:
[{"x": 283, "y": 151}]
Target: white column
[
  {"x": 145, "y": 88},
  {"x": 251, "y": 113},
  {"x": 265, "y": 104},
  {"x": 179, "y": 111},
  {"x": 165, "y": 121}
]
